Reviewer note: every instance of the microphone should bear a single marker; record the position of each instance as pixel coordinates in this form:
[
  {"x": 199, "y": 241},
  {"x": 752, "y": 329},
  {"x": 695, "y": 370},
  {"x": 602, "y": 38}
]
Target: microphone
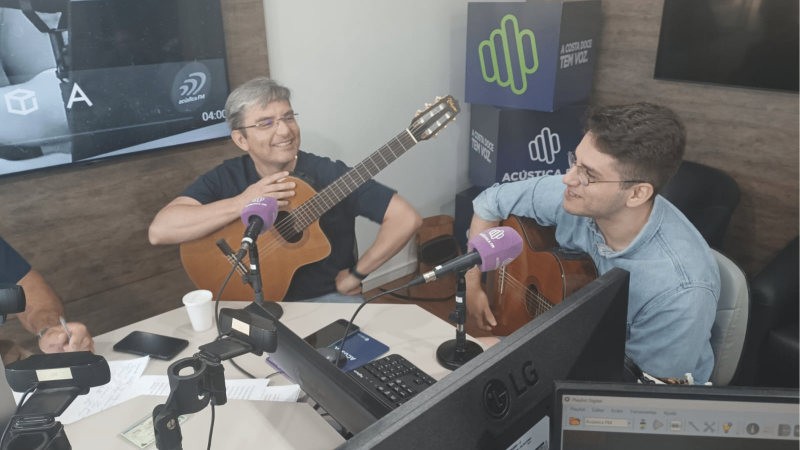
[
  {"x": 12, "y": 300},
  {"x": 258, "y": 216},
  {"x": 491, "y": 249}
]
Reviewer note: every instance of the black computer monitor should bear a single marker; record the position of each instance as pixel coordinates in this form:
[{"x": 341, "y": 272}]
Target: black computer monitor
[
  {"x": 505, "y": 395},
  {"x": 606, "y": 416},
  {"x": 339, "y": 395}
]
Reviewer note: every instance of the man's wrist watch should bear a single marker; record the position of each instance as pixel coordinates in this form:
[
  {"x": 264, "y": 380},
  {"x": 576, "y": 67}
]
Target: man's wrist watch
[
  {"x": 355, "y": 273},
  {"x": 41, "y": 333}
]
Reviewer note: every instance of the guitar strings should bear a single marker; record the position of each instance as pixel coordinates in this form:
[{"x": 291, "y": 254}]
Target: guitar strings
[
  {"x": 287, "y": 224},
  {"x": 534, "y": 304},
  {"x": 539, "y": 303},
  {"x": 516, "y": 286},
  {"x": 302, "y": 216},
  {"x": 325, "y": 194}
]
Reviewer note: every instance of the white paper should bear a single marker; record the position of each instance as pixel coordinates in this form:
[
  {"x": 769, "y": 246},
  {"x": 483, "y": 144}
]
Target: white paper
[
  {"x": 123, "y": 375},
  {"x": 127, "y": 382},
  {"x": 247, "y": 389}
]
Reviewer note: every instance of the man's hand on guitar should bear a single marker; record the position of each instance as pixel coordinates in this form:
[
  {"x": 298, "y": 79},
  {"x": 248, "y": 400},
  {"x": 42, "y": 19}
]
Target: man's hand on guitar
[
  {"x": 347, "y": 284},
  {"x": 478, "y": 309},
  {"x": 270, "y": 187}
]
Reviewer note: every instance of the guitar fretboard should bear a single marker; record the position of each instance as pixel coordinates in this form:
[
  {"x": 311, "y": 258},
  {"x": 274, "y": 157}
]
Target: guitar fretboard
[{"x": 331, "y": 195}]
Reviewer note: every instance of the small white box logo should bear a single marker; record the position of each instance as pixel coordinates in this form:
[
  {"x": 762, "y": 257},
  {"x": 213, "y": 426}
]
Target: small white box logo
[{"x": 21, "y": 102}]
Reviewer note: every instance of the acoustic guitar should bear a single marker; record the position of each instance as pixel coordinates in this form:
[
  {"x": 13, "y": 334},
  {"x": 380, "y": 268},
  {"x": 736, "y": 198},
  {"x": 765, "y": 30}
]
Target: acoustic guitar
[
  {"x": 296, "y": 238},
  {"x": 542, "y": 276}
]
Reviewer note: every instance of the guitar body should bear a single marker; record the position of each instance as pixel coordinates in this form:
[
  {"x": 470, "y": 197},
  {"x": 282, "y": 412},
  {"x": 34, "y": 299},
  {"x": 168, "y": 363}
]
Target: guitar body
[
  {"x": 279, "y": 256},
  {"x": 296, "y": 238},
  {"x": 540, "y": 277}
]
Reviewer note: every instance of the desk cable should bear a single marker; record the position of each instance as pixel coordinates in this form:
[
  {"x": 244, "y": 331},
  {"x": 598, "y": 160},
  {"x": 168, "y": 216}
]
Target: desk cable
[
  {"x": 350, "y": 323},
  {"x": 19, "y": 405}
]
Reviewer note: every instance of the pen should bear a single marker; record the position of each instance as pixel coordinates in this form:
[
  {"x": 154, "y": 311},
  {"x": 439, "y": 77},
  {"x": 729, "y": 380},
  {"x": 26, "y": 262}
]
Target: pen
[{"x": 64, "y": 325}]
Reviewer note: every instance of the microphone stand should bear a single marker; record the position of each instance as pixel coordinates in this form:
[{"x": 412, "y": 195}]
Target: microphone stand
[
  {"x": 254, "y": 276},
  {"x": 35, "y": 424},
  {"x": 454, "y": 353},
  {"x": 242, "y": 333},
  {"x": 191, "y": 393}
]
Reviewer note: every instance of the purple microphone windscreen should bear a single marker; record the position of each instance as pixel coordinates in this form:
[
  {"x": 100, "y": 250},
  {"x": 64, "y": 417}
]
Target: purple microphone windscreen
[
  {"x": 497, "y": 246},
  {"x": 264, "y": 207}
]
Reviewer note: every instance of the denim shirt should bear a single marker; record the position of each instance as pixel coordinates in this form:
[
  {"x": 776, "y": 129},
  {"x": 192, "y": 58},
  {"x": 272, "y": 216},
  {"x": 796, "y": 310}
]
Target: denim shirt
[{"x": 674, "y": 285}]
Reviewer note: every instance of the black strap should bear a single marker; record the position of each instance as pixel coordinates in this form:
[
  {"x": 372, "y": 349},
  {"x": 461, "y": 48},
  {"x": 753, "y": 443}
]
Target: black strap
[{"x": 355, "y": 273}]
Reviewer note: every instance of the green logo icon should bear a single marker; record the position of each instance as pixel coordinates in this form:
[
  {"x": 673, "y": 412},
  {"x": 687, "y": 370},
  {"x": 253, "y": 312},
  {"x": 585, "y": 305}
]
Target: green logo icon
[{"x": 518, "y": 36}]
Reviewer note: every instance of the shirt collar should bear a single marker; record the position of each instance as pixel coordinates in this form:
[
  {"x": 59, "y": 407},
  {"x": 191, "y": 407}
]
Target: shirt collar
[{"x": 643, "y": 238}]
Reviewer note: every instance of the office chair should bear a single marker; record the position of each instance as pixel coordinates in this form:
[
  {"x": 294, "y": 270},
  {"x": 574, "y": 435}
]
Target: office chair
[
  {"x": 770, "y": 357},
  {"x": 706, "y": 196},
  {"x": 730, "y": 324}
]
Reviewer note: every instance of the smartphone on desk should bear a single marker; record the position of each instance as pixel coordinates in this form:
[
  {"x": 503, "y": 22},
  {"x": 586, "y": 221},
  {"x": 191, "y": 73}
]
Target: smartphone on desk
[
  {"x": 330, "y": 333},
  {"x": 151, "y": 344}
]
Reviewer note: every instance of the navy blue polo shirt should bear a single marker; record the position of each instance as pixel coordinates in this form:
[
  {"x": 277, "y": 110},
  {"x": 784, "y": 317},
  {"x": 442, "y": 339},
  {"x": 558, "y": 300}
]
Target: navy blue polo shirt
[
  {"x": 370, "y": 200},
  {"x": 12, "y": 266}
]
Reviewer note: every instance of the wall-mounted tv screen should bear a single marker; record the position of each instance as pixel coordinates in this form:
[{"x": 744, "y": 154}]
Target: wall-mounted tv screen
[
  {"x": 747, "y": 43},
  {"x": 90, "y": 79}
]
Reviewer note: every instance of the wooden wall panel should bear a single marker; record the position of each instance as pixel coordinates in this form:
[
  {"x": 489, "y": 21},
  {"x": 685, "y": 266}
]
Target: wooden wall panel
[
  {"x": 751, "y": 135},
  {"x": 85, "y": 228}
]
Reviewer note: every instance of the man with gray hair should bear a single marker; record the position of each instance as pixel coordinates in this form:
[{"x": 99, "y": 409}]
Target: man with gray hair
[{"x": 263, "y": 125}]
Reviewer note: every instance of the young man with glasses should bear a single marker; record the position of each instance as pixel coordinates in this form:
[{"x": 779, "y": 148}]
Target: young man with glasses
[
  {"x": 608, "y": 206},
  {"x": 263, "y": 124}
]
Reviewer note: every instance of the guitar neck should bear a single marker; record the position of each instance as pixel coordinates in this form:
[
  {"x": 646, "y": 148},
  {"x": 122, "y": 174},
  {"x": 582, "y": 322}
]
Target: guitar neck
[{"x": 334, "y": 193}]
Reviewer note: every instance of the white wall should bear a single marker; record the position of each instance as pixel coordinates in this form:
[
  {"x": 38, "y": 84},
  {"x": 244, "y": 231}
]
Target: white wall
[{"x": 359, "y": 70}]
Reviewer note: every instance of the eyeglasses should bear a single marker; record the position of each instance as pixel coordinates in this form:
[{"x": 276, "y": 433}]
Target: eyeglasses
[
  {"x": 583, "y": 177},
  {"x": 266, "y": 124}
]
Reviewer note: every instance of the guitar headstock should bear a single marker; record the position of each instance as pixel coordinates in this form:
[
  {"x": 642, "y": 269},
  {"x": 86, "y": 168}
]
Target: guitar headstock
[{"x": 435, "y": 117}]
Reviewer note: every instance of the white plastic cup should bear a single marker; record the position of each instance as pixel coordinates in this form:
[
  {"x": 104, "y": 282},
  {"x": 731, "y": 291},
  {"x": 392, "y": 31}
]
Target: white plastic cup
[{"x": 200, "y": 308}]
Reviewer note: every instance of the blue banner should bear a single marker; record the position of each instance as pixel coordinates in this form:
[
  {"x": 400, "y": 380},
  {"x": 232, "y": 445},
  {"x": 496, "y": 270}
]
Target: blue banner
[
  {"x": 512, "y": 144},
  {"x": 536, "y": 55}
]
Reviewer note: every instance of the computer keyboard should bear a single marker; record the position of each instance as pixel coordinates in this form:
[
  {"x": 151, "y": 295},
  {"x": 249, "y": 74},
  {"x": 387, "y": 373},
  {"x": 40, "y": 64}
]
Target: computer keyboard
[{"x": 392, "y": 379}]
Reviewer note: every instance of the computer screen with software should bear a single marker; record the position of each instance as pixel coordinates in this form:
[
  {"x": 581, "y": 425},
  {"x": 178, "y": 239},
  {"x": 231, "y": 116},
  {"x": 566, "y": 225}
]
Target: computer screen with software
[
  {"x": 606, "y": 416},
  {"x": 503, "y": 398}
]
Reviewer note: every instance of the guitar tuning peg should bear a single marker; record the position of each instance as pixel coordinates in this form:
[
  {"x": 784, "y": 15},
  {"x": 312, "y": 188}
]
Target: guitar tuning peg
[
  {"x": 419, "y": 111},
  {"x": 427, "y": 105},
  {"x": 454, "y": 119},
  {"x": 438, "y": 98}
]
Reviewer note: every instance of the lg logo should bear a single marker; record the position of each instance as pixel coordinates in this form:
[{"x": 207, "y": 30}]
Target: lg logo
[
  {"x": 496, "y": 395},
  {"x": 545, "y": 146},
  {"x": 495, "y": 399}
]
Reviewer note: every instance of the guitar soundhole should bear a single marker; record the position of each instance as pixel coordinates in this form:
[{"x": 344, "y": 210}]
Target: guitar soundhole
[
  {"x": 532, "y": 302},
  {"x": 285, "y": 227}
]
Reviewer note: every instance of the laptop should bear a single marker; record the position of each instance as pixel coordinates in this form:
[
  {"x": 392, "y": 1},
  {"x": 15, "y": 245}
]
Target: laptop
[{"x": 605, "y": 416}]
